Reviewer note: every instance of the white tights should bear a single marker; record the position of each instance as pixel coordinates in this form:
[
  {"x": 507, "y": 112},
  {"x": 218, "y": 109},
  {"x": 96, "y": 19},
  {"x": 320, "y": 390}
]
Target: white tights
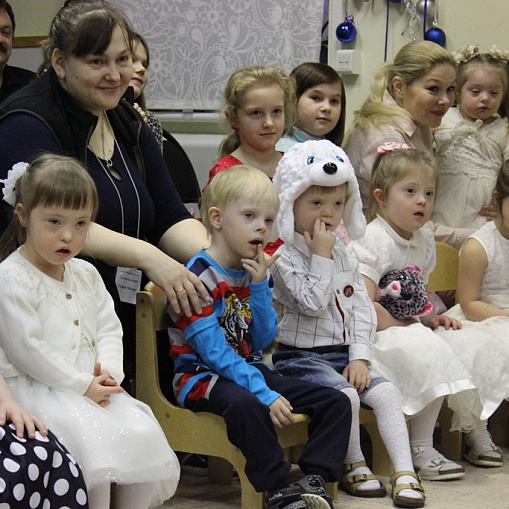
[
  {"x": 422, "y": 425},
  {"x": 127, "y": 496},
  {"x": 385, "y": 402}
]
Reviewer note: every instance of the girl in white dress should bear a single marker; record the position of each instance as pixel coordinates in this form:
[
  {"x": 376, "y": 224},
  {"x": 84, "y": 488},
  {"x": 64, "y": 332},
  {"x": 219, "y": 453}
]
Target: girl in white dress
[
  {"x": 62, "y": 342},
  {"x": 471, "y": 369},
  {"x": 472, "y": 141},
  {"x": 483, "y": 294}
]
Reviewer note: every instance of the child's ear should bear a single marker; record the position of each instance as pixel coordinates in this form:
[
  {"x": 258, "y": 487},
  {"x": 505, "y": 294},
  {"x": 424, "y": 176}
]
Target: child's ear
[
  {"x": 20, "y": 212},
  {"x": 215, "y": 218},
  {"x": 232, "y": 119},
  {"x": 379, "y": 196}
]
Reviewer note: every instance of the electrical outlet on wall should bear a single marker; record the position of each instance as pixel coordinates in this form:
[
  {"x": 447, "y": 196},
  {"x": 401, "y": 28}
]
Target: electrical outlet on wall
[{"x": 348, "y": 61}]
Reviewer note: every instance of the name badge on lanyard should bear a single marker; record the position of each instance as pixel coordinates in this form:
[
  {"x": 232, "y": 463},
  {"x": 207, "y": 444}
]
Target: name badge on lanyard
[{"x": 128, "y": 281}]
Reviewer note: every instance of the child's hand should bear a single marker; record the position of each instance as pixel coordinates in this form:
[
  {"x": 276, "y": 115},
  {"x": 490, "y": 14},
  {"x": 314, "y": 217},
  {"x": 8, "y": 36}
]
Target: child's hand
[
  {"x": 143, "y": 114},
  {"x": 98, "y": 372},
  {"x": 258, "y": 266},
  {"x": 448, "y": 322},
  {"x": 102, "y": 387},
  {"x": 357, "y": 374},
  {"x": 21, "y": 418},
  {"x": 281, "y": 412},
  {"x": 322, "y": 242}
]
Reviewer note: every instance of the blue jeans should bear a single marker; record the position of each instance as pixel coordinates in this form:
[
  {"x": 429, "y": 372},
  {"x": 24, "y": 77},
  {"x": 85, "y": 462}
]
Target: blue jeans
[{"x": 323, "y": 368}]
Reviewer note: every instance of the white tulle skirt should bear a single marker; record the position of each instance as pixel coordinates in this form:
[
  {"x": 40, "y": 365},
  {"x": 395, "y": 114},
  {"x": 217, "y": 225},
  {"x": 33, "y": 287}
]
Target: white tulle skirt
[
  {"x": 483, "y": 348},
  {"x": 121, "y": 443},
  {"x": 470, "y": 367}
]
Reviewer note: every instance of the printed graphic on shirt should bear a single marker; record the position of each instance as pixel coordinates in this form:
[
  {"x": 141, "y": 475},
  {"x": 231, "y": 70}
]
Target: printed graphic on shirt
[{"x": 235, "y": 323}]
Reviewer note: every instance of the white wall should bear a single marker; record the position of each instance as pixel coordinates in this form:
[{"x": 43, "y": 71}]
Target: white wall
[{"x": 464, "y": 22}]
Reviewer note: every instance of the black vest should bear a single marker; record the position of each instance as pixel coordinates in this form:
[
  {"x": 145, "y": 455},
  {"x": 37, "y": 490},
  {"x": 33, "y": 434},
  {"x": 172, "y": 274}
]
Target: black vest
[{"x": 71, "y": 125}]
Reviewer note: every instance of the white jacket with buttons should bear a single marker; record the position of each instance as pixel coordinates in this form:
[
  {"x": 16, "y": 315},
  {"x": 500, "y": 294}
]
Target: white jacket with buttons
[{"x": 43, "y": 320}]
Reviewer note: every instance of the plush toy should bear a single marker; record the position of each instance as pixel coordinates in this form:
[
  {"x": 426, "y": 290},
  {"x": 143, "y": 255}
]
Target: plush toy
[
  {"x": 403, "y": 293},
  {"x": 322, "y": 163}
]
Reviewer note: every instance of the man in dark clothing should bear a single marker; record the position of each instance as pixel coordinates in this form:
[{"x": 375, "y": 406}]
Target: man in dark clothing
[{"x": 11, "y": 78}]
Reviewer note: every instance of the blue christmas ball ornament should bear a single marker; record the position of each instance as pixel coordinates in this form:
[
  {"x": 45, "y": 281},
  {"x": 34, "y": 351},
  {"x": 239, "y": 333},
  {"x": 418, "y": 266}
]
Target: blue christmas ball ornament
[
  {"x": 346, "y": 31},
  {"x": 436, "y": 35}
]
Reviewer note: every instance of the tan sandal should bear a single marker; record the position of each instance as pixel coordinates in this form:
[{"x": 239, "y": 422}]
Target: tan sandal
[
  {"x": 351, "y": 484},
  {"x": 401, "y": 501}
]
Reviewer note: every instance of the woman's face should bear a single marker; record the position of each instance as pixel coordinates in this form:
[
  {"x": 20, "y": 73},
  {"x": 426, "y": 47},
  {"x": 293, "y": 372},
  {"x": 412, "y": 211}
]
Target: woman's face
[
  {"x": 140, "y": 76},
  {"x": 97, "y": 82},
  {"x": 428, "y": 98}
]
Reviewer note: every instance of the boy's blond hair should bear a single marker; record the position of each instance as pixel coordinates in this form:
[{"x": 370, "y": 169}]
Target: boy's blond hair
[{"x": 235, "y": 183}]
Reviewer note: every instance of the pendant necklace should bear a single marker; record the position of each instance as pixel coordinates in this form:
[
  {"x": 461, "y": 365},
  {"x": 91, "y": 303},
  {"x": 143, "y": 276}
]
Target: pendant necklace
[{"x": 109, "y": 162}]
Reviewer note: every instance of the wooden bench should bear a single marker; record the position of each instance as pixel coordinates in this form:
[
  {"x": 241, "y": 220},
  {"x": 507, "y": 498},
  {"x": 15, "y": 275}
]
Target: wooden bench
[{"x": 205, "y": 433}]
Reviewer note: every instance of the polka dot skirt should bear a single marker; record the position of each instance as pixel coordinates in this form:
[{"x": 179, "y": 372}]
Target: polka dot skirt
[{"x": 38, "y": 473}]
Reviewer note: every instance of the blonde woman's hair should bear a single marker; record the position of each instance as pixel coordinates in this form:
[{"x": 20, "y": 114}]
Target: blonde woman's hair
[
  {"x": 240, "y": 82},
  {"x": 391, "y": 167},
  {"x": 50, "y": 180},
  {"x": 236, "y": 183},
  {"x": 413, "y": 61}
]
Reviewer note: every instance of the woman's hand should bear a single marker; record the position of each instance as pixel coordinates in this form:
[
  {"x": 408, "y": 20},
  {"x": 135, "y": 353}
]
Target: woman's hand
[
  {"x": 182, "y": 287},
  {"x": 182, "y": 241}
]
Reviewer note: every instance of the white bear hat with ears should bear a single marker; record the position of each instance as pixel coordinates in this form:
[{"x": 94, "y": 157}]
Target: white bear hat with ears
[{"x": 322, "y": 163}]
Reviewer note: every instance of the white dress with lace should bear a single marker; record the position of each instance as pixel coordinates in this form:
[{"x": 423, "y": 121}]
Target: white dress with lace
[
  {"x": 469, "y": 156},
  {"x": 472, "y": 369}
]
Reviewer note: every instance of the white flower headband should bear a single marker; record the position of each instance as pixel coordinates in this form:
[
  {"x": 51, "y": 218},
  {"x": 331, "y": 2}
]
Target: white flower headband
[
  {"x": 9, "y": 183},
  {"x": 468, "y": 52}
]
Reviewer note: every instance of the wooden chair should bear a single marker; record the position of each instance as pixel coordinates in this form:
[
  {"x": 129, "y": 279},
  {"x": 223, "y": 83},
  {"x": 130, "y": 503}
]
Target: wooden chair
[{"x": 205, "y": 433}]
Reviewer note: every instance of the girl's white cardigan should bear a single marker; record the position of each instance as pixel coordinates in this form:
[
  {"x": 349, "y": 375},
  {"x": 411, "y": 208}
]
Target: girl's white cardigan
[{"x": 43, "y": 320}]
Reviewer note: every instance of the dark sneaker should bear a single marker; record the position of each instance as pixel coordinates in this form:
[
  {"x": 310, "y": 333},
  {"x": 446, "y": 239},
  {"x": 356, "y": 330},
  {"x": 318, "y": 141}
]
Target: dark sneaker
[
  {"x": 314, "y": 492},
  {"x": 308, "y": 493},
  {"x": 285, "y": 498}
]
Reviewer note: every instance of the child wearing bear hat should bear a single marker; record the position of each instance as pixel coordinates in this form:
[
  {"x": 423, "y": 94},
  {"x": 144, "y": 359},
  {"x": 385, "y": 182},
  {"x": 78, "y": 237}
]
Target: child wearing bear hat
[{"x": 326, "y": 320}]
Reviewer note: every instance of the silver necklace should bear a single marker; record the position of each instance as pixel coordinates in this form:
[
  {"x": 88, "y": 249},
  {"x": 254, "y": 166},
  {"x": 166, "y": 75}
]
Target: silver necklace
[
  {"x": 109, "y": 174},
  {"x": 109, "y": 162}
]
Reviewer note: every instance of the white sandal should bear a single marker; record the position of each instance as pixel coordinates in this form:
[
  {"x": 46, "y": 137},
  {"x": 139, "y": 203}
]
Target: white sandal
[
  {"x": 437, "y": 466},
  {"x": 483, "y": 455}
]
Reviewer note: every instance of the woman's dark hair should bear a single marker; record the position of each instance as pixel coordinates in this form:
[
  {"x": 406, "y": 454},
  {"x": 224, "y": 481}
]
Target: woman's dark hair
[{"x": 84, "y": 28}]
